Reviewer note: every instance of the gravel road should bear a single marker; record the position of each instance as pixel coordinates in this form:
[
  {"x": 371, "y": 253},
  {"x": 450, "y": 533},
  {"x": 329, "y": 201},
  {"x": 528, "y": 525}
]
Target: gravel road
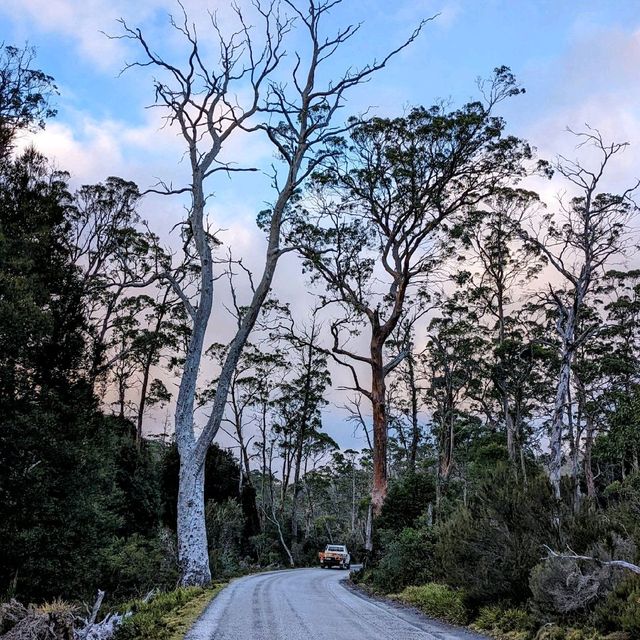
[{"x": 311, "y": 604}]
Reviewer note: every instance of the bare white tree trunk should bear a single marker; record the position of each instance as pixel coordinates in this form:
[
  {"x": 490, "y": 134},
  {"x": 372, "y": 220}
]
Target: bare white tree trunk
[
  {"x": 193, "y": 556},
  {"x": 578, "y": 244},
  {"x": 557, "y": 422}
]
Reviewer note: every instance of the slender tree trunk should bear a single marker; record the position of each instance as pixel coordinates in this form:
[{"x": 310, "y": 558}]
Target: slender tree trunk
[
  {"x": 510, "y": 428},
  {"x": 509, "y": 423},
  {"x": 378, "y": 401},
  {"x": 353, "y": 499},
  {"x": 368, "y": 535},
  {"x": 146, "y": 372},
  {"x": 415, "y": 428},
  {"x": 557, "y": 424},
  {"x": 588, "y": 468},
  {"x": 305, "y": 418}
]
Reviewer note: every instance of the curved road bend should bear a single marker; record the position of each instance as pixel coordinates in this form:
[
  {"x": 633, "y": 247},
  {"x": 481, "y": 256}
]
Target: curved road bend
[{"x": 311, "y": 604}]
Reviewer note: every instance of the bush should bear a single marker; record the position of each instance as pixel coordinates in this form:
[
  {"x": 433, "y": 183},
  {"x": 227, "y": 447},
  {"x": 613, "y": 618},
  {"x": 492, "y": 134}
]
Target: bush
[
  {"x": 621, "y": 609},
  {"x": 407, "y": 559},
  {"x": 408, "y": 498},
  {"x": 436, "y": 600},
  {"x": 505, "y": 623},
  {"x": 489, "y": 548},
  {"x": 560, "y": 585},
  {"x": 167, "y": 616},
  {"x": 137, "y": 565},
  {"x": 225, "y": 527},
  {"x": 564, "y": 585}
]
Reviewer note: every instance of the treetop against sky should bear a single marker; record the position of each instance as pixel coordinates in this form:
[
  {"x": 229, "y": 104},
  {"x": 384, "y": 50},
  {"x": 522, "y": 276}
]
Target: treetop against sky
[{"x": 579, "y": 63}]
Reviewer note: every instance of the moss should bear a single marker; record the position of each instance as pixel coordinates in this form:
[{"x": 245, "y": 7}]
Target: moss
[
  {"x": 436, "y": 600},
  {"x": 168, "y": 616}
]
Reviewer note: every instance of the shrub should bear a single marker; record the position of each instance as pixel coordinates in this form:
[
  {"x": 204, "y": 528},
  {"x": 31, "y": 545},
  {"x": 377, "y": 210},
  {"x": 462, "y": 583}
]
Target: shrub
[
  {"x": 137, "y": 565},
  {"x": 436, "y": 600},
  {"x": 505, "y": 623},
  {"x": 408, "y": 498},
  {"x": 489, "y": 548},
  {"x": 564, "y": 585},
  {"x": 621, "y": 609},
  {"x": 560, "y": 585},
  {"x": 407, "y": 559},
  {"x": 225, "y": 527},
  {"x": 167, "y": 616},
  {"x": 488, "y": 618}
]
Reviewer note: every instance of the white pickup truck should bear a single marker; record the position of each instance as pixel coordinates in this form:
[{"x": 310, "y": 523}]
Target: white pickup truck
[{"x": 335, "y": 555}]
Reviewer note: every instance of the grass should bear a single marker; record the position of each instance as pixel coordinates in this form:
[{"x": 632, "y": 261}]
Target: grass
[
  {"x": 168, "y": 616},
  {"x": 436, "y": 600}
]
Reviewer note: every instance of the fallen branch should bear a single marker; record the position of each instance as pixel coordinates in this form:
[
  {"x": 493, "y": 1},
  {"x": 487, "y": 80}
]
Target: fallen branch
[
  {"x": 106, "y": 628},
  {"x": 621, "y": 564}
]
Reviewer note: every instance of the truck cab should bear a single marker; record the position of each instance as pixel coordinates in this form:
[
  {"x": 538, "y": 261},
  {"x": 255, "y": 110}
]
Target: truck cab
[{"x": 335, "y": 555}]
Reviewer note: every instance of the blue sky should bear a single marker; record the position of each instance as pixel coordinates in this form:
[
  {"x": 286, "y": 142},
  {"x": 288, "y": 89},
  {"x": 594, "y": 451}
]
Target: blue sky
[{"x": 578, "y": 60}]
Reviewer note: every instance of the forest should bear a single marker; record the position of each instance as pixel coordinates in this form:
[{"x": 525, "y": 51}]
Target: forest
[{"x": 482, "y": 338}]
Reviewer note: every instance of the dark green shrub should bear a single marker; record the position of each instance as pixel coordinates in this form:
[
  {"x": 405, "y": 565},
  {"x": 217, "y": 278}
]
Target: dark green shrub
[
  {"x": 489, "y": 548},
  {"x": 225, "y": 527},
  {"x": 138, "y": 564},
  {"x": 407, "y": 560},
  {"x": 408, "y": 499},
  {"x": 621, "y": 609}
]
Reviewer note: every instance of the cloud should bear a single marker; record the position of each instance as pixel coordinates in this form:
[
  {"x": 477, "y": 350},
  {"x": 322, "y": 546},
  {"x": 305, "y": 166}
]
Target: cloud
[
  {"x": 595, "y": 83},
  {"x": 84, "y": 22}
]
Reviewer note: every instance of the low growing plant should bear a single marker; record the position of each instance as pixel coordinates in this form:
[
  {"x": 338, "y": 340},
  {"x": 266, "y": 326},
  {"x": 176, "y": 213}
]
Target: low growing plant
[
  {"x": 168, "y": 616},
  {"x": 436, "y": 600}
]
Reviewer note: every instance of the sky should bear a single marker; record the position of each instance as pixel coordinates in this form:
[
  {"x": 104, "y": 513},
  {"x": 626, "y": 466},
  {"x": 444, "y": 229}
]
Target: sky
[{"x": 579, "y": 62}]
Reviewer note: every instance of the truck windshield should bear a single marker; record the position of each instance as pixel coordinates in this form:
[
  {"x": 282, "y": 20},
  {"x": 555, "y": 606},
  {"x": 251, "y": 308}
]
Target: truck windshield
[{"x": 335, "y": 548}]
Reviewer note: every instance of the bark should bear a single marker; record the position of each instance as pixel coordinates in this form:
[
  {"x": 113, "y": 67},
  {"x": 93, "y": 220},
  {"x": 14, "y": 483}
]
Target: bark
[
  {"x": 378, "y": 402},
  {"x": 415, "y": 427},
  {"x": 193, "y": 556},
  {"x": 588, "y": 467},
  {"x": 557, "y": 422},
  {"x": 368, "y": 545}
]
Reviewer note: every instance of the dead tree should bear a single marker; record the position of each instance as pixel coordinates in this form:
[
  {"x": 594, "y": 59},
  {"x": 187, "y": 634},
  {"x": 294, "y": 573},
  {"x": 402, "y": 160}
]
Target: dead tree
[
  {"x": 578, "y": 242},
  {"x": 297, "y": 118}
]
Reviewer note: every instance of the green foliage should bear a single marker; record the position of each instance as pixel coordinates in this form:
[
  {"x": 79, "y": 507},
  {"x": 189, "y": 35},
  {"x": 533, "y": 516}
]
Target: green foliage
[
  {"x": 621, "y": 608},
  {"x": 222, "y": 474},
  {"x": 25, "y": 94},
  {"x": 489, "y": 548},
  {"x": 166, "y": 616},
  {"x": 225, "y": 527},
  {"x": 407, "y": 500},
  {"x": 505, "y": 623},
  {"x": 137, "y": 565},
  {"x": 436, "y": 600},
  {"x": 407, "y": 560}
]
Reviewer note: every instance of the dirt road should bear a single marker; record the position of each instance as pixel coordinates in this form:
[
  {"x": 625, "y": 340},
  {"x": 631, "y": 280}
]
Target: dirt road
[{"x": 311, "y": 604}]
